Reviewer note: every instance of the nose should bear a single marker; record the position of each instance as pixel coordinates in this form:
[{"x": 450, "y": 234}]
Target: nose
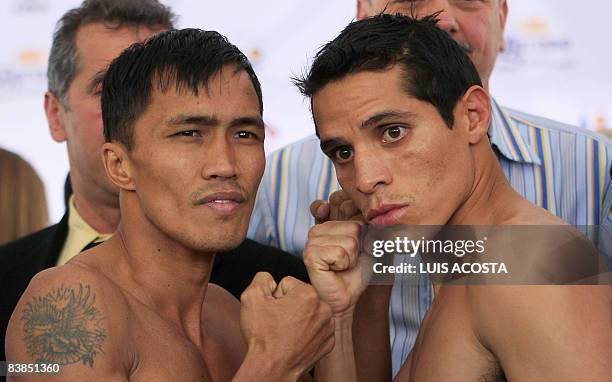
[
  {"x": 371, "y": 172},
  {"x": 219, "y": 159}
]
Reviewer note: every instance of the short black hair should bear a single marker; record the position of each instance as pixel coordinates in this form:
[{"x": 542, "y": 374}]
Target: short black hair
[
  {"x": 181, "y": 60},
  {"x": 436, "y": 68}
]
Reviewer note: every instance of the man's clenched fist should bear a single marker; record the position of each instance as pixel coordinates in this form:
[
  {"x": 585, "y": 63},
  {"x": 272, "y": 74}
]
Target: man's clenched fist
[
  {"x": 335, "y": 268},
  {"x": 286, "y": 324}
]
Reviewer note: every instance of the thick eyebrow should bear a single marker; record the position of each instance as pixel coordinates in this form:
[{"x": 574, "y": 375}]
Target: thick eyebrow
[
  {"x": 211, "y": 120},
  {"x": 382, "y": 116},
  {"x": 190, "y": 119},
  {"x": 248, "y": 121}
]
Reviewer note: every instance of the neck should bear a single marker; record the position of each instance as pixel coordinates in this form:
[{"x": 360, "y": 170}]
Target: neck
[
  {"x": 99, "y": 208},
  {"x": 492, "y": 200},
  {"x": 162, "y": 273}
]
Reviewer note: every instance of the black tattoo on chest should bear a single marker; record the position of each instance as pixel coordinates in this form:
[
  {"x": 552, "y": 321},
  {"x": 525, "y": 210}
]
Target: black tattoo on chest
[{"x": 64, "y": 326}]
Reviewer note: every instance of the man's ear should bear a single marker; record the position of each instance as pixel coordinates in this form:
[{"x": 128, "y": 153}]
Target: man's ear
[
  {"x": 55, "y": 117},
  {"x": 477, "y": 105},
  {"x": 503, "y": 16},
  {"x": 117, "y": 165}
]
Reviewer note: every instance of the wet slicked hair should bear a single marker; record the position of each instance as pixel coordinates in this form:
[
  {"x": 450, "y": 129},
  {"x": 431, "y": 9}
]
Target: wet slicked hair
[
  {"x": 64, "y": 59},
  {"x": 436, "y": 68},
  {"x": 177, "y": 60}
]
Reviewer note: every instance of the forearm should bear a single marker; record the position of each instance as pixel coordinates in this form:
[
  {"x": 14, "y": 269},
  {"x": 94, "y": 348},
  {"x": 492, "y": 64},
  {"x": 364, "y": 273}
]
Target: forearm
[
  {"x": 371, "y": 334},
  {"x": 339, "y": 364},
  {"x": 257, "y": 366}
]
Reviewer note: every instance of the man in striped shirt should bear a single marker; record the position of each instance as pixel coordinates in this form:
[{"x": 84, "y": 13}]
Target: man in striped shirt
[{"x": 561, "y": 168}]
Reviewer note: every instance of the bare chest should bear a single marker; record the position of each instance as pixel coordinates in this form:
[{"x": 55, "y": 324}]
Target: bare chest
[
  {"x": 447, "y": 348},
  {"x": 163, "y": 353}
]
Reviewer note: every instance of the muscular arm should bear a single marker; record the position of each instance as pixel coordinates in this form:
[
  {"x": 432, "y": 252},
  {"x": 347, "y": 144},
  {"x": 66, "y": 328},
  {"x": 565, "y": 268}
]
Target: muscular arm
[
  {"x": 371, "y": 353},
  {"x": 371, "y": 334},
  {"x": 362, "y": 343},
  {"x": 327, "y": 369},
  {"x": 63, "y": 319},
  {"x": 547, "y": 333}
]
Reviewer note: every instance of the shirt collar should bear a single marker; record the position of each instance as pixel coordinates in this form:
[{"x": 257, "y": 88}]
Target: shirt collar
[
  {"x": 505, "y": 136},
  {"x": 76, "y": 223},
  {"x": 79, "y": 235}
]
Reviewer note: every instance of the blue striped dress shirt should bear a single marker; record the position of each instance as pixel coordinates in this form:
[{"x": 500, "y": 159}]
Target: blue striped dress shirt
[{"x": 561, "y": 168}]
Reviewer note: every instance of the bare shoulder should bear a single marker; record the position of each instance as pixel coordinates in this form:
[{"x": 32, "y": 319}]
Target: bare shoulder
[
  {"x": 538, "y": 301},
  {"x": 216, "y": 295},
  {"x": 544, "y": 250},
  {"x": 222, "y": 310},
  {"x": 528, "y": 213},
  {"x": 71, "y": 316},
  {"x": 222, "y": 323}
]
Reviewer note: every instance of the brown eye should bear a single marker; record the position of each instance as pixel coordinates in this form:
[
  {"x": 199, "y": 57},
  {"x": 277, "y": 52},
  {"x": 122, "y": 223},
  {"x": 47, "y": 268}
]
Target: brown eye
[
  {"x": 343, "y": 154},
  {"x": 394, "y": 133},
  {"x": 245, "y": 135},
  {"x": 188, "y": 133}
]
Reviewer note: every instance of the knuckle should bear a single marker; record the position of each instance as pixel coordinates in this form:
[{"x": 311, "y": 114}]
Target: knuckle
[
  {"x": 336, "y": 197},
  {"x": 353, "y": 245},
  {"x": 314, "y": 207},
  {"x": 245, "y": 297},
  {"x": 309, "y": 254},
  {"x": 263, "y": 277},
  {"x": 347, "y": 205},
  {"x": 354, "y": 229},
  {"x": 316, "y": 204},
  {"x": 345, "y": 210},
  {"x": 315, "y": 231},
  {"x": 309, "y": 294},
  {"x": 290, "y": 280},
  {"x": 338, "y": 252}
]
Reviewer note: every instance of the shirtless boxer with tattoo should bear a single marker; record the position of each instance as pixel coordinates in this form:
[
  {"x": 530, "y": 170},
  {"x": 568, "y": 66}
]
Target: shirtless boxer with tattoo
[{"x": 184, "y": 137}]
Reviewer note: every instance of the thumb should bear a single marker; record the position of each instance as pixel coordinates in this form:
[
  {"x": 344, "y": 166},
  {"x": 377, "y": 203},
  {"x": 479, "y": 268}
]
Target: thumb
[
  {"x": 264, "y": 283},
  {"x": 286, "y": 285}
]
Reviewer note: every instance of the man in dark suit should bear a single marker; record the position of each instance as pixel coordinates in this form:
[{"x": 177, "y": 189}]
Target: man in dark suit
[{"x": 86, "y": 39}]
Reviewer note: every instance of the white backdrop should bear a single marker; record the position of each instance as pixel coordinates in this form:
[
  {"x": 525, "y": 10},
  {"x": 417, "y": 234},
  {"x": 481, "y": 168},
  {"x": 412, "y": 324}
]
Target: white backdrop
[{"x": 554, "y": 64}]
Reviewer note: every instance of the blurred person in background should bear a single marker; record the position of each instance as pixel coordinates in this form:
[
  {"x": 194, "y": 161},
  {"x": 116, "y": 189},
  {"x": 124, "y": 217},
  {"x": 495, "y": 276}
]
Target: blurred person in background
[
  {"x": 561, "y": 168},
  {"x": 23, "y": 205},
  {"x": 86, "y": 40}
]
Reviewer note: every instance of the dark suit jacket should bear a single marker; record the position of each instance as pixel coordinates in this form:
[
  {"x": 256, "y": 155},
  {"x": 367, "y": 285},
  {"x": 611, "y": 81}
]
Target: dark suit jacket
[{"x": 21, "y": 259}]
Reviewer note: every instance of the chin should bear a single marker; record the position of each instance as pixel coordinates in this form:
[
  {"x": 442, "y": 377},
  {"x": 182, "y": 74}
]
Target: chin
[
  {"x": 212, "y": 236},
  {"x": 217, "y": 246},
  {"x": 218, "y": 242}
]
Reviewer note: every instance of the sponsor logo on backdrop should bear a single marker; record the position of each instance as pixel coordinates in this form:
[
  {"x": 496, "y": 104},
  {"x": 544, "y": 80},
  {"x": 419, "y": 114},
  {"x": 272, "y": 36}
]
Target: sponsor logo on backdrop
[
  {"x": 30, "y": 6},
  {"x": 533, "y": 45},
  {"x": 24, "y": 75}
]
